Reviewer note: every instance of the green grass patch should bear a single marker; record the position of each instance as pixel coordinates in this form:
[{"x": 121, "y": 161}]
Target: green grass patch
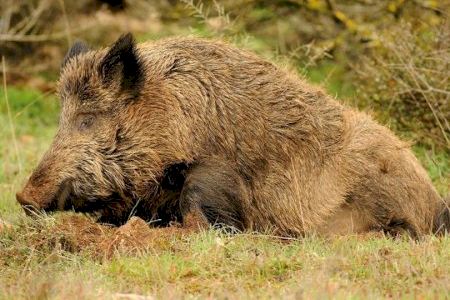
[
  {"x": 332, "y": 77},
  {"x": 25, "y": 137}
]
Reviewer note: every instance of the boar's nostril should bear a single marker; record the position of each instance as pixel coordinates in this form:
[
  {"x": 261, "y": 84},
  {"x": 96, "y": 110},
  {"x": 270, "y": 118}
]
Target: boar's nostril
[{"x": 29, "y": 206}]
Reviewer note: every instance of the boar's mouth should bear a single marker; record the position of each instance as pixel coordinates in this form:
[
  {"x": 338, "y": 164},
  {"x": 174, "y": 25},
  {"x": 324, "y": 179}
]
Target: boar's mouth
[
  {"x": 60, "y": 198},
  {"x": 104, "y": 209},
  {"x": 112, "y": 209}
]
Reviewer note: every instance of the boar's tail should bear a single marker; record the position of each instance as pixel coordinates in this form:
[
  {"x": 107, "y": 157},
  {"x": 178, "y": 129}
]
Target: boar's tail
[{"x": 442, "y": 219}]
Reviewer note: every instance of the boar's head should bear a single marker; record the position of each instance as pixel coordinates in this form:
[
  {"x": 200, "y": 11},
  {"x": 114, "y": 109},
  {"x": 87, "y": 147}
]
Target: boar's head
[{"x": 103, "y": 158}]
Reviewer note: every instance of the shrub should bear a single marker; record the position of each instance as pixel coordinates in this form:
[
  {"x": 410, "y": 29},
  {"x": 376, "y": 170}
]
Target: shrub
[{"x": 406, "y": 79}]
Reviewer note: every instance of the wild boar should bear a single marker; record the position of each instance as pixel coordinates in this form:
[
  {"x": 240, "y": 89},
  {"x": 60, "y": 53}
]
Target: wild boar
[{"x": 185, "y": 125}]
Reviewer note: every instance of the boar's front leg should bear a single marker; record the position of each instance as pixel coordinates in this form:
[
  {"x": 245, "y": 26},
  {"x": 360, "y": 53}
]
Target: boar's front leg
[{"x": 214, "y": 193}]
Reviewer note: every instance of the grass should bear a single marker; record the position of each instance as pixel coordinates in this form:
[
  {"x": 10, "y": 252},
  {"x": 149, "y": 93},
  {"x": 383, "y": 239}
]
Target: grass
[
  {"x": 211, "y": 264},
  {"x": 47, "y": 258}
]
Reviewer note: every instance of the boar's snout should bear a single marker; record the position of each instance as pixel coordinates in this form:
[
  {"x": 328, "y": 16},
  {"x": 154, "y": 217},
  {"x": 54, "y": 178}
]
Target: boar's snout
[
  {"x": 36, "y": 198},
  {"x": 28, "y": 204}
]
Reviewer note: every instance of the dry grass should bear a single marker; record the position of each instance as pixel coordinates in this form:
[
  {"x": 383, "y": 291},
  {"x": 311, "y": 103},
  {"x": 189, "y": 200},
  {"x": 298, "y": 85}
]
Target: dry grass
[{"x": 40, "y": 257}]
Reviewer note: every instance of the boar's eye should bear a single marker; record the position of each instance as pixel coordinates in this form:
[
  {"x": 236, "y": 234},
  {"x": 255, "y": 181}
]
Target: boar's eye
[{"x": 85, "y": 121}]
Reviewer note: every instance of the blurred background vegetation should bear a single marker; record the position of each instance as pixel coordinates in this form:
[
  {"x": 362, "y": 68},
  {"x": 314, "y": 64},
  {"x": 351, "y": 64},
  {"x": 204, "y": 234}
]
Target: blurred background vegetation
[{"x": 389, "y": 58}]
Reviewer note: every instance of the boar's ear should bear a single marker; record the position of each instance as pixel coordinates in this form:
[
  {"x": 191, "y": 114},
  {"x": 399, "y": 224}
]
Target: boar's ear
[
  {"x": 77, "y": 48},
  {"x": 122, "y": 63}
]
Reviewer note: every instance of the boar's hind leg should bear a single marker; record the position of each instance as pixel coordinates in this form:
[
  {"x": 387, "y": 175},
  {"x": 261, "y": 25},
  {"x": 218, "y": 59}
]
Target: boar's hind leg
[
  {"x": 383, "y": 209},
  {"x": 213, "y": 193}
]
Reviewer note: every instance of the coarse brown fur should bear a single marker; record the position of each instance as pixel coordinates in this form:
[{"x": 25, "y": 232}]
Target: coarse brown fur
[{"x": 184, "y": 125}]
